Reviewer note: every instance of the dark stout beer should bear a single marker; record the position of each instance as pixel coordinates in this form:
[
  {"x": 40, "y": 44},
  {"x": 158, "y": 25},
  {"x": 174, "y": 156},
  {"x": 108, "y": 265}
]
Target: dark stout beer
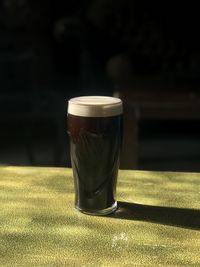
[{"x": 94, "y": 126}]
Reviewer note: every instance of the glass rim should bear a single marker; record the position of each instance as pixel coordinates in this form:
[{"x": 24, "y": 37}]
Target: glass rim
[{"x": 95, "y": 106}]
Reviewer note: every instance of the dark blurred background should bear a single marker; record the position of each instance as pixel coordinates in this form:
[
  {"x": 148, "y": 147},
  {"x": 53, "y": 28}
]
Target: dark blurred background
[{"x": 51, "y": 51}]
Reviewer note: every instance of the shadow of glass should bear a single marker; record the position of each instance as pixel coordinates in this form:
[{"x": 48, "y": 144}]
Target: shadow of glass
[{"x": 179, "y": 217}]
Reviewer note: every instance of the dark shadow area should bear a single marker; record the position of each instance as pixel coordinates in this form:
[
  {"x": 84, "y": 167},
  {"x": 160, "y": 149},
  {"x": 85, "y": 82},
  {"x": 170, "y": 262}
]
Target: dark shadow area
[
  {"x": 51, "y": 51},
  {"x": 169, "y": 145},
  {"x": 178, "y": 217}
]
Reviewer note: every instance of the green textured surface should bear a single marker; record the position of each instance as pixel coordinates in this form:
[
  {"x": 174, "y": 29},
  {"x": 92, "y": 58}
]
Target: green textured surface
[{"x": 40, "y": 227}]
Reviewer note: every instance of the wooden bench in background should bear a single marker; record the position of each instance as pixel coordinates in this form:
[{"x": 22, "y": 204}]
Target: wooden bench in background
[{"x": 153, "y": 104}]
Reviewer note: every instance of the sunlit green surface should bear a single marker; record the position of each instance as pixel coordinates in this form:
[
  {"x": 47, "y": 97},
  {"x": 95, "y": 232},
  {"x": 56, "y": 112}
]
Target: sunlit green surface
[{"x": 157, "y": 224}]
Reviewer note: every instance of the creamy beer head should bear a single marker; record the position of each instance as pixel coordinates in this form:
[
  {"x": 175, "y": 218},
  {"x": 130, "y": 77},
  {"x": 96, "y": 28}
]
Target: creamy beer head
[{"x": 95, "y": 106}]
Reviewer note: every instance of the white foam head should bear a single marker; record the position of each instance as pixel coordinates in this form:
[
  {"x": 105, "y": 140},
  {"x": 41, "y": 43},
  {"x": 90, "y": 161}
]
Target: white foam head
[{"x": 95, "y": 106}]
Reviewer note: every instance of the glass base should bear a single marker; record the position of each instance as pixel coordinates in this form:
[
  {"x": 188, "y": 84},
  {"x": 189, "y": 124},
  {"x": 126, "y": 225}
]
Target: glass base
[{"x": 99, "y": 212}]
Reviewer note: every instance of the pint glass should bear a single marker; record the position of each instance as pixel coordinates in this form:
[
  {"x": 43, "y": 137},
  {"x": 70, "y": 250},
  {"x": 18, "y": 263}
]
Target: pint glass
[{"x": 95, "y": 130}]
